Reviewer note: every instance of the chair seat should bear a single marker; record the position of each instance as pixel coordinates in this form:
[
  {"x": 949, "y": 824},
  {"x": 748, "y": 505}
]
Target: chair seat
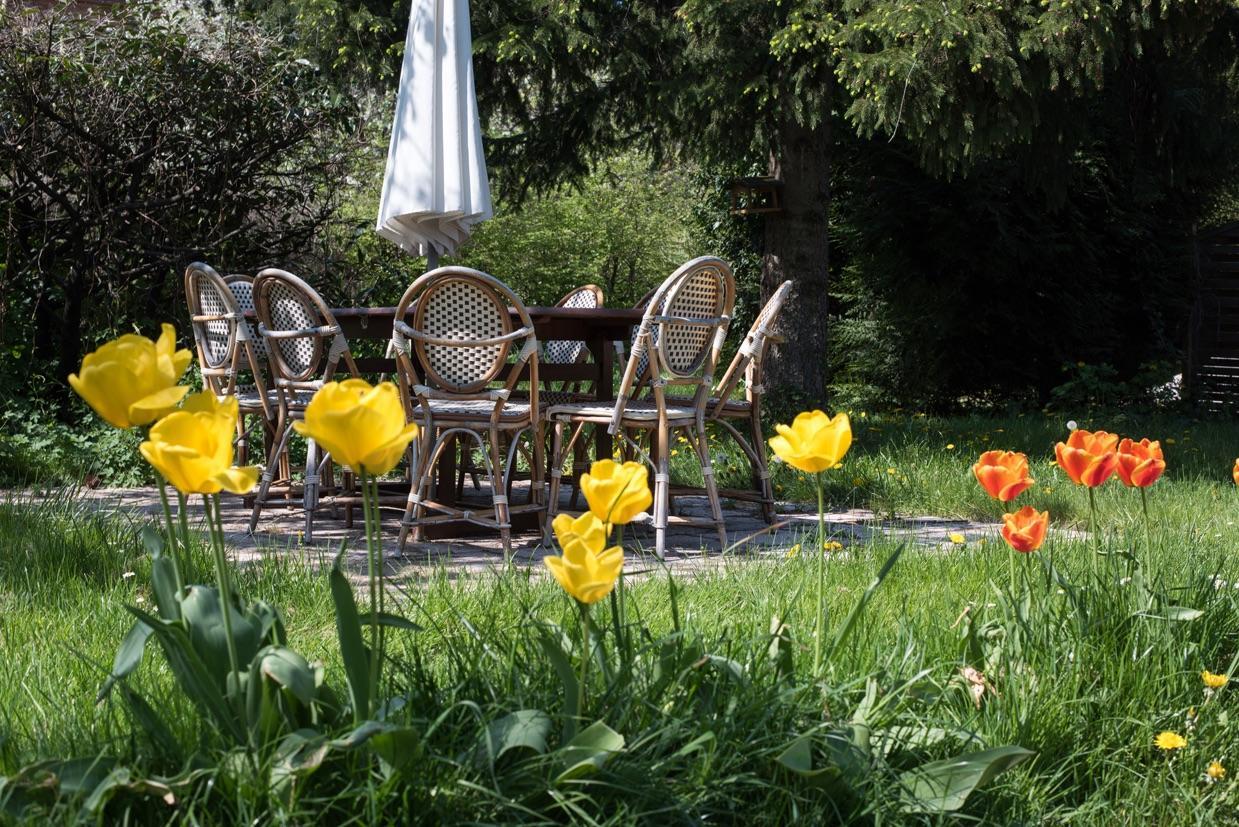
[
  {"x": 637, "y": 410},
  {"x": 475, "y": 410},
  {"x": 250, "y": 400},
  {"x": 739, "y": 408}
]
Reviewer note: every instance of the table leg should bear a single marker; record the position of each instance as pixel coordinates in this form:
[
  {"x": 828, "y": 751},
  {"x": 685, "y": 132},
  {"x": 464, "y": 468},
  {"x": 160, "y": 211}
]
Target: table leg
[{"x": 604, "y": 391}]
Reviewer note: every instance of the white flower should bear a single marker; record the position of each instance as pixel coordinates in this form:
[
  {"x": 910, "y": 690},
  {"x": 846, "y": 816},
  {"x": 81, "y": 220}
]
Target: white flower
[
  {"x": 1071, "y": 425},
  {"x": 126, "y": 575}
]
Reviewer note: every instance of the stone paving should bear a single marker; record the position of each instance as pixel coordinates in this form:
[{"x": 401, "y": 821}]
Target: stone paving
[{"x": 280, "y": 531}]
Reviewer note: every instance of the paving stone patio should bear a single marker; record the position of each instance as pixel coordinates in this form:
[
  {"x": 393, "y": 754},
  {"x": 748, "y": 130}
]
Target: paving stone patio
[{"x": 689, "y": 548}]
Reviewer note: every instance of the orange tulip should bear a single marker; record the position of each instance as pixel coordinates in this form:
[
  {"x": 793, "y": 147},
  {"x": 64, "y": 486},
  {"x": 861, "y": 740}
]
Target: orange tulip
[
  {"x": 1003, "y": 474},
  {"x": 1235, "y": 473},
  {"x": 1140, "y": 463},
  {"x": 1025, "y": 530},
  {"x": 1089, "y": 458}
]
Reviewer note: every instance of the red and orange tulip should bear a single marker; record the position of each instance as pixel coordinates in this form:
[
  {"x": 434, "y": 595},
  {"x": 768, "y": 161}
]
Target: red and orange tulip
[
  {"x": 1003, "y": 474},
  {"x": 1140, "y": 463},
  {"x": 1235, "y": 473},
  {"x": 1025, "y": 529},
  {"x": 1088, "y": 457}
]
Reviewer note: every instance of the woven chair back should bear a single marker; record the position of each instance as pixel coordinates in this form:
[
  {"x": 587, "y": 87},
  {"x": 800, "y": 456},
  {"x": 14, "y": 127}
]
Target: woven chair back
[
  {"x": 242, "y": 289},
  {"x": 747, "y": 363},
  {"x": 304, "y": 342},
  {"x": 461, "y": 330},
  {"x": 571, "y": 352},
  {"x": 215, "y": 320}
]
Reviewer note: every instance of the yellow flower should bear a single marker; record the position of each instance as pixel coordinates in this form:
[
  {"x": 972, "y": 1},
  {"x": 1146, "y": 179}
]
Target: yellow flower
[
  {"x": 832, "y": 545},
  {"x": 132, "y": 380},
  {"x": 890, "y": 471},
  {"x": 675, "y": 452},
  {"x": 359, "y": 425},
  {"x": 586, "y": 570},
  {"x": 1213, "y": 681},
  {"x": 1215, "y": 770},
  {"x": 616, "y": 493},
  {"x": 1170, "y": 741},
  {"x": 794, "y": 550},
  {"x": 958, "y": 539},
  {"x": 1170, "y": 441},
  {"x": 950, "y": 446},
  {"x": 192, "y": 448},
  {"x": 814, "y": 442}
]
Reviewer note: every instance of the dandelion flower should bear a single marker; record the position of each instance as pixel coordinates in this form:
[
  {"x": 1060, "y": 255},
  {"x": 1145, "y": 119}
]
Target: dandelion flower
[
  {"x": 1215, "y": 771},
  {"x": 1169, "y": 741},
  {"x": 950, "y": 446},
  {"x": 794, "y": 550},
  {"x": 1213, "y": 681},
  {"x": 958, "y": 539},
  {"x": 832, "y": 545},
  {"x": 890, "y": 471}
]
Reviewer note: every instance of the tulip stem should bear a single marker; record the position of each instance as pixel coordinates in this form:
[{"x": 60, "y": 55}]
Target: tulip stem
[
  {"x": 1148, "y": 525},
  {"x": 172, "y": 541},
  {"x": 821, "y": 576},
  {"x": 215, "y": 524},
  {"x": 368, "y": 509},
  {"x": 1006, "y": 508},
  {"x": 585, "y": 656},
  {"x": 182, "y": 513},
  {"x": 1092, "y": 525}
]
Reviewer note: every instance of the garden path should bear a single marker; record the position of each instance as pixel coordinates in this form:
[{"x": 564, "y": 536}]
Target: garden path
[{"x": 688, "y": 548}]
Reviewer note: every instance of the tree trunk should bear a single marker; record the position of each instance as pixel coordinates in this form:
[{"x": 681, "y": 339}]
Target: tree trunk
[{"x": 797, "y": 248}]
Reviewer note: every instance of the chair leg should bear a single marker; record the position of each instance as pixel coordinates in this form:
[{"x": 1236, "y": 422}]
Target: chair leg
[
  {"x": 309, "y": 494},
  {"x": 701, "y": 443},
  {"x": 580, "y": 459},
  {"x": 268, "y": 474},
  {"x": 761, "y": 469},
  {"x": 537, "y": 493},
  {"x": 499, "y": 492},
  {"x": 552, "y": 500},
  {"x": 662, "y": 485},
  {"x": 413, "y": 509}
]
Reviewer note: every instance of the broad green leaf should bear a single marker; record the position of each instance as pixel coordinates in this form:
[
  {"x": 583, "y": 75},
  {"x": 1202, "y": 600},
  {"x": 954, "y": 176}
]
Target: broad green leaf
[
  {"x": 163, "y": 584},
  {"x": 585, "y": 754},
  {"x": 523, "y": 729},
  {"x": 399, "y": 747},
  {"x": 780, "y": 650},
  {"x": 299, "y": 754},
  {"x": 556, "y": 646},
  {"x": 152, "y": 540},
  {"x": 353, "y": 650},
  {"x": 397, "y": 622},
  {"x": 204, "y": 614},
  {"x": 289, "y": 670},
  {"x": 128, "y": 656},
  {"x": 152, "y": 724},
  {"x": 944, "y": 786}
]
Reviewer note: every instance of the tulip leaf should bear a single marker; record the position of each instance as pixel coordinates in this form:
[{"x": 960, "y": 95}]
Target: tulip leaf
[
  {"x": 397, "y": 622},
  {"x": 944, "y": 786},
  {"x": 192, "y": 673},
  {"x": 153, "y": 725},
  {"x": 128, "y": 656},
  {"x": 152, "y": 540},
  {"x": 1173, "y": 613},
  {"x": 353, "y": 649},
  {"x": 299, "y": 754},
  {"x": 555, "y": 644},
  {"x": 520, "y": 730},
  {"x": 588, "y": 752},
  {"x": 204, "y": 614},
  {"x": 849, "y": 624},
  {"x": 288, "y": 670},
  {"x": 398, "y": 747}
]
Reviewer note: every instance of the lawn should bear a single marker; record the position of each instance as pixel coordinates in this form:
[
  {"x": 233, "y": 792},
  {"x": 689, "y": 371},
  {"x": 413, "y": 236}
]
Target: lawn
[{"x": 1080, "y": 653}]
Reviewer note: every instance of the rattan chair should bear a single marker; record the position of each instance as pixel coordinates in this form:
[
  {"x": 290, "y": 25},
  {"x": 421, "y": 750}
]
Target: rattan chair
[
  {"x": 457, "y": 382},
  {"x": 304, "y": 349},
  {"x": 678, "y": 341},
  {"x": 228, "y": 350},
  {"x": 746, "y": 366}
]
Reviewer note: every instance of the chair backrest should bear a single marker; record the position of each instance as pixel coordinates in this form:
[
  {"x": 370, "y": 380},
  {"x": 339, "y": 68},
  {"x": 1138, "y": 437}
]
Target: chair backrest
[
  {"x": 570, "y": 352},
  {"x": 221, "y": 335},
  {"x": 304, "y": 342},
  {"x": 751, "y": 355},
  {"x": 681, "y": 334},
  {"x": 461, "y": 335},
  {"x": 242, "y": 289}
]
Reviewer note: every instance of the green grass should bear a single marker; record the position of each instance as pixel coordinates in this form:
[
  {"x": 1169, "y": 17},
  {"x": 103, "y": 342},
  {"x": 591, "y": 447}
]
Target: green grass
[{"x": 1085, "y": 669}]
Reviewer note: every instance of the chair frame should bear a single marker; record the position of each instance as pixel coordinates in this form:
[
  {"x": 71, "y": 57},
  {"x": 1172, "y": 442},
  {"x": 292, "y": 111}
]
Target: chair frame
[
  {"x": 748, "y": 365},
  {"x": 660, "y": 326},
  {"x": 422, "y": 385},
  {"x": 294, "y": 385},
  {"x": 220, "y": 375}
]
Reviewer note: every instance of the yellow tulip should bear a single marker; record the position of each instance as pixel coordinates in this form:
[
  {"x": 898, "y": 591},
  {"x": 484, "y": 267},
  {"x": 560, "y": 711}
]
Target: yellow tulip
[
  {"x": 616, "y": 493},
  {"x": 586, "y": 570},
  {"x": 192, "y": 448},
  {"x": 132, "y": 380},
  {"x": 814, "y": 442},
  {"x": 360, "y": 425}
]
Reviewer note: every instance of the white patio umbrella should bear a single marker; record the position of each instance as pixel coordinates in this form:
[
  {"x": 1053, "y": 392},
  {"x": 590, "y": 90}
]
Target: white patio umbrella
[{"x": 435, "y": 187}]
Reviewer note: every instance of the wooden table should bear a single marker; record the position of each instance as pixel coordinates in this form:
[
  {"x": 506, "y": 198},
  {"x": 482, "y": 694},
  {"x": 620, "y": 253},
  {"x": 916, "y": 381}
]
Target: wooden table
[{"x": 599, "y": 328}]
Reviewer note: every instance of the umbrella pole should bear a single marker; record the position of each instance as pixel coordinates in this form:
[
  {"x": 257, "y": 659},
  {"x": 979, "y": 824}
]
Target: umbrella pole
[{"x": 432, "y": 259}]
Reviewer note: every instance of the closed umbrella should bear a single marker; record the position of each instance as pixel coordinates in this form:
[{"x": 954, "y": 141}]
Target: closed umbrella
[{"x": 435, "y": 187}]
